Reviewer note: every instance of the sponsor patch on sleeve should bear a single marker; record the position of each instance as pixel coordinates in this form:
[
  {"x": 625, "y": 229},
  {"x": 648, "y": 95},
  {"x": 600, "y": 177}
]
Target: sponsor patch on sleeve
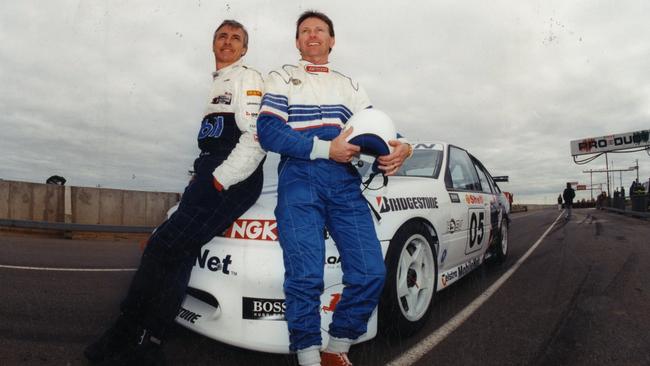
[{"x": 253, "y": 93}]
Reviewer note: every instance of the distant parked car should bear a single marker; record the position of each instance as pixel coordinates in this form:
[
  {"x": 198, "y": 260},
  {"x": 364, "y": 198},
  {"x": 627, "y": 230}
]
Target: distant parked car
[{"x": 438, "y": 219}]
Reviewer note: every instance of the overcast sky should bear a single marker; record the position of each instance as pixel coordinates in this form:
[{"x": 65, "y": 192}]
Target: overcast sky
[{"x": 111, "y": 93}]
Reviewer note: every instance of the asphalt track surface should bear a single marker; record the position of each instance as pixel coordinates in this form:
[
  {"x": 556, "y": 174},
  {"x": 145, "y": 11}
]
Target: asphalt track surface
[{"x": 582, "y": 297}]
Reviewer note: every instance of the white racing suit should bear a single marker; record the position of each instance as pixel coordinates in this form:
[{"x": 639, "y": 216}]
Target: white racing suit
[{"x": 230, "y": 156}]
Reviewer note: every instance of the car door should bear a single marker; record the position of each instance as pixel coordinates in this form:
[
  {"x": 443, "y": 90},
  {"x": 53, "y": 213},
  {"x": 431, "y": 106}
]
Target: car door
[{"x": 466, "y": 230}]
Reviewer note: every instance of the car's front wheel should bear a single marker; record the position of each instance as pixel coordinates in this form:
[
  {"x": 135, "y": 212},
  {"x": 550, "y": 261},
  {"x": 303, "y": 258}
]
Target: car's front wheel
[{"x": 411, "y": 279}]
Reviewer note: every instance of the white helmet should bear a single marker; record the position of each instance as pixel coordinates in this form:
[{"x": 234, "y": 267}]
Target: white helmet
[{"x": 372, "y": 131}]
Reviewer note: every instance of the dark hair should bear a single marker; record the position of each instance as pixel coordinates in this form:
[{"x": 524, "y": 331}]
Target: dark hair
[
  {"x": 233, "y": 24},
  {"x": 315, "y": 14}
]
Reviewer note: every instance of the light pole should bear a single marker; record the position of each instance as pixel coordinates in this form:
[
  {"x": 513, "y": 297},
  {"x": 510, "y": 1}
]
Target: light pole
[
  {"x": 609, "y": 194},
  {"x": 591, "y": 183}
]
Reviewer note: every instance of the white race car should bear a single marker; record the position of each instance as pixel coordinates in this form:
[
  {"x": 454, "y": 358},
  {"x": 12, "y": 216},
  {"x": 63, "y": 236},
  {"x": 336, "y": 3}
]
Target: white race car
[{"x": 438, "y": 219}]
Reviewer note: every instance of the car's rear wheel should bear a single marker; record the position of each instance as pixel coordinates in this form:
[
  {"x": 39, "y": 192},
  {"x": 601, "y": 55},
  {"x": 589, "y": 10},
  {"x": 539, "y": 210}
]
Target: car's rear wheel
[
  {"x": 411, "y": 279},
  {"x": 500, "y": 251}
]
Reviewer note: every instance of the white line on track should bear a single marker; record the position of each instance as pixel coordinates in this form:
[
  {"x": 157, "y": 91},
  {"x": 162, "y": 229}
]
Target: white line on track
[
  {"x": 69, "y": 269},
  {"x": 426, "y": 345}
]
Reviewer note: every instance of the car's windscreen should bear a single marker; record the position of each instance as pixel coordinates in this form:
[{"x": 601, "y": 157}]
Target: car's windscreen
[{"x": 425, "y": 162}]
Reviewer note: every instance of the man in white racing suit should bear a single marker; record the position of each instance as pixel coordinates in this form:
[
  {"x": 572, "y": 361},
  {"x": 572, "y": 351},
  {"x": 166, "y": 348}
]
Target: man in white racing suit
[
  {"x": 304, "y": 109},
  {"x": 228, "y": 180}
]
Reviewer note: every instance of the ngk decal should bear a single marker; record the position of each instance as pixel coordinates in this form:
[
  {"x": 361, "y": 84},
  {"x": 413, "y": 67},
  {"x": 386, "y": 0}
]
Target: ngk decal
[{"x": 253, "y": 230}]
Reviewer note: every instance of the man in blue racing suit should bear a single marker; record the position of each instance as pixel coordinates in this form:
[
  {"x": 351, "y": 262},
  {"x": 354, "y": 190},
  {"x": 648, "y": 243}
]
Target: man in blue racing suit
[
  {"x": 228, "y": 180},
  {"x": 303, "y": 111}
]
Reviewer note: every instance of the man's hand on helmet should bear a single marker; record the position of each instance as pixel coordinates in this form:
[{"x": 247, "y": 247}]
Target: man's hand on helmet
[
  {"x": 340, "y": 150},
  {"x": 391, "y": 163}
]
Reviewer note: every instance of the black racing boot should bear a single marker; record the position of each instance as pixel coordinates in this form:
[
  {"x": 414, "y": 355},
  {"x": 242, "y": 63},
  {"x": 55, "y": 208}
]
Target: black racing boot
[
  {"x": 114, "y": 340},
  {"x": 145, "y": 351}
]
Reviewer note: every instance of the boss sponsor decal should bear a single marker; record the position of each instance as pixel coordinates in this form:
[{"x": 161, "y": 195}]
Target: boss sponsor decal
[
  {"x": 226, "y": 98},
  {"x": 253, "y": 230},
  {"x": 467, "y": 267},
  {"x": 263, "y": 309},
  {"x": 406, "y": 203},
  {"x": 213, "y": 263},
  {"x": 188, "y": 316},
  {"x": 454, "y": 197},
  {"x": 448, "y": 277},
  {"x": 473, "y": 199},
  {"x": 253, "y": 93}
]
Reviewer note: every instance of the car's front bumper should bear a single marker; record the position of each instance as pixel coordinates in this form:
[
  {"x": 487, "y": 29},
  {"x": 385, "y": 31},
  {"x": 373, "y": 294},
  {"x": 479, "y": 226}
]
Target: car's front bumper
[{"x": 236, "y": 294}]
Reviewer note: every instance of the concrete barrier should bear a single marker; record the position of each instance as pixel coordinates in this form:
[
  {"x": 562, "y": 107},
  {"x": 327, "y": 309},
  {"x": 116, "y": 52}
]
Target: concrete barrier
[{"x": 93, "y": 206}]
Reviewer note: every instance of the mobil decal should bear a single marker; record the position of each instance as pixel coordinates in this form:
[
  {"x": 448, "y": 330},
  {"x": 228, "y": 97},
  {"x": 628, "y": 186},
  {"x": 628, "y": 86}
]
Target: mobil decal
[
  {"x": 387, "y": 204},
  {"x": 473, "y": 199},
  {"x": 468, "y": 266},
  {"x": 253, "y": 230}
]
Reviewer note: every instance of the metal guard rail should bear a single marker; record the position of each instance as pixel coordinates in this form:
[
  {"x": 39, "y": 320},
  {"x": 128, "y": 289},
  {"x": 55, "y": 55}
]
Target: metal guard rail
[{"x": 46, "y": 225}]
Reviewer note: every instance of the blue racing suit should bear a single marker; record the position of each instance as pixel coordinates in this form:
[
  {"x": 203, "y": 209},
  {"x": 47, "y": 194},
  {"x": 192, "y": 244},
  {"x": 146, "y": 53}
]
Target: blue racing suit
[
  {"x": 303, "y": 109},
  {"x": 228, "y": 180}
]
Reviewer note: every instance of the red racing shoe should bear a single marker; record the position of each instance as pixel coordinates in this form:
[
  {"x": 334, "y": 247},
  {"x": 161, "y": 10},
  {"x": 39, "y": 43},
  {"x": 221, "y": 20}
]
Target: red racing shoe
[{"x": 334, "y": 359}]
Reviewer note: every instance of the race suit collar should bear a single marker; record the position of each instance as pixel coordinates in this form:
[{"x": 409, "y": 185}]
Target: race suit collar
[
  {"x": 227, "y": 69},
  {"x": 313, "y": 68}
]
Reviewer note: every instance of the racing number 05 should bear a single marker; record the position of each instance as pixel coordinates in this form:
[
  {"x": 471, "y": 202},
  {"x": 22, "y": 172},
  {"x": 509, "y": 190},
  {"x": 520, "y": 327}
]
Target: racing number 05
[{"x": 476, "y": 229}]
